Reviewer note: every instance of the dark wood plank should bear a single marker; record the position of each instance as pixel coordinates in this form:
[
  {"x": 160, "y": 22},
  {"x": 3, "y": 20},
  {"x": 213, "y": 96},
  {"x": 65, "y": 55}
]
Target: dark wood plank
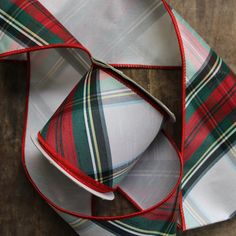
[{"x": 22, "y": 211}]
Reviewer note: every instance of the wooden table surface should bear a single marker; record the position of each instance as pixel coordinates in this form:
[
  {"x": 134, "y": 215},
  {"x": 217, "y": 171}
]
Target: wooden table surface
[{"x": 22, "y": 211}]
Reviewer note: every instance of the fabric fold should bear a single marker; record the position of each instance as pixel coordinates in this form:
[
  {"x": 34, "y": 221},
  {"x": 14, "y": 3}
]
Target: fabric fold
[{"x": 100, "y": 128}]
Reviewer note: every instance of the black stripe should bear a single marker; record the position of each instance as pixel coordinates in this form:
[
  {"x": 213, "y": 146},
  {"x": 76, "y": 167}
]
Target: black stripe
[
  {"x": 120, "y": 99},
  {"x": 100, "y": 127},
  {"x": 205, "y": 69},
  {"x": 212, "y": 160},
  {"x": 109, "y": 100},
  {"x": 79, "y": 130},
  {"x": 209, "y": 115},
  {"x": 113, "y": 229},
  {"x": 233, "y": 215},
  {"x": 15, "y": 34},
  {"x": 70, "y": 57},
  {"x": 58, "y": 116}
]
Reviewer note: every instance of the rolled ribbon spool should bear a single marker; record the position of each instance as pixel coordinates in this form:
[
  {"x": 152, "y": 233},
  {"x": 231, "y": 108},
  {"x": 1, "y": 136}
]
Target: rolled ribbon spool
[{"x": 100, "y": 131}]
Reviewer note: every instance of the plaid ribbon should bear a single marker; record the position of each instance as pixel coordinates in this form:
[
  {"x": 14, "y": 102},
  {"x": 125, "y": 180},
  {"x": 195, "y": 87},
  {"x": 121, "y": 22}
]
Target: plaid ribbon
[
  {"x": 210, "y": 132},
  {"x": 78, "y": 133},
  {"x": 210, "y": 125}
]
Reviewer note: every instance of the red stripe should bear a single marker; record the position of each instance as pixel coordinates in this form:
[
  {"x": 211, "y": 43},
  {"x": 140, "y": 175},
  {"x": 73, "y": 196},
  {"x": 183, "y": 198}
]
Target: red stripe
[
  {"x": 67, "y": 135},
  {"x": 161, "y": 215},
  {"x": 214, "y": 98},
  {"x": 167, "y": 212},
  {"x": 194, "y": 41},
  {"x": 51, "y": 134},
  {"x": 219, "y": 93},
  {"x": 164, "y": 215},
  {"x": 98, "y": 217},
  {"x": 42, "y": 15},
  {"x": 57, "y": 132},
  {"x": 181, "y": 210},
  {"x": 72, "y": 170}
]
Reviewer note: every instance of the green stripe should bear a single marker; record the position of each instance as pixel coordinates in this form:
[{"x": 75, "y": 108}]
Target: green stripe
[
  {"x": 80, "y": 133},
  {"x": 212, "y": 137},
  {"x": 139, "y": 222},
  {"x": 204, "y": 166},
  {"x": 29, "y": 22},
  {"x": 203, "y": 71},
  {"x": 100, "y": 128},
  {"x": 44, "y": 131},
  {"x": 208, "y": 89},
  {"x": 209, "y": 114},
  {"x": 89, "y": 121}
]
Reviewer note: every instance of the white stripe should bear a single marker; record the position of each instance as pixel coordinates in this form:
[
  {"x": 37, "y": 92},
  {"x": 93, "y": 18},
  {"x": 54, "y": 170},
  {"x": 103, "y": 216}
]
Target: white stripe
[
  {"x": 54, "y": 68},
  {"x": 192, "y": 49},
  {"x": 141, "y": 231},
  {"x": 206, "y": 79},
  {"x": 10, "y": 21},
  {"x": 73, "y": 10},
  {"x": 93, "y": 130},
  {"x": 77, "y": 222},
  {"x": 104, "y": 97},
  {"x": 194, "y": 214},
  {"x": 105, "y": 93},
  {"x": 87, "y": 128},
  {"x": 209, "y": 151},
  {"x": 134, "y": 25},
  {"x": 80, "y": 58}
]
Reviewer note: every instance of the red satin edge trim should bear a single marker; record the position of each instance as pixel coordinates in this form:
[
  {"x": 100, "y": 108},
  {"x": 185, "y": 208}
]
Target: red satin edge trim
[
  {"x": 37, "y": 48},
  {"x": 182, "y": 51},
  {"x": 141, "y": 212},
  {"x": 27, "y": 50},
  {"x": 183, "y": 224},
  {"x": 181, "y": 171},
  {"x": 76, "y": 173},
  {"x": 143, "y": 66},
  {"x": 135, "y": 204}
]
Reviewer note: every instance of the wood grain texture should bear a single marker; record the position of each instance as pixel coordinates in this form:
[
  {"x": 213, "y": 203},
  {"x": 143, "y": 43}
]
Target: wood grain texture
[{"x": 22, "y": 211}]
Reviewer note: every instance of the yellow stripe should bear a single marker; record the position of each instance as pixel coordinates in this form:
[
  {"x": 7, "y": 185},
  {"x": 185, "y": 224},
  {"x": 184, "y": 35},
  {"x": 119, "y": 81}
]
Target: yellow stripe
[
  {"x": 118, "y": 173},
  {"x": 204, "y": 81},
  {"x": 93, "y": 97},
  {"x": 21, "y": 27},
  {"x": 93, "y": 130},
  {"x": 141, "y": 230},
  {"x": 77, "y": 222},
  {"x": 87, "y": 127},
  {"x": 203, "y": 158}
]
